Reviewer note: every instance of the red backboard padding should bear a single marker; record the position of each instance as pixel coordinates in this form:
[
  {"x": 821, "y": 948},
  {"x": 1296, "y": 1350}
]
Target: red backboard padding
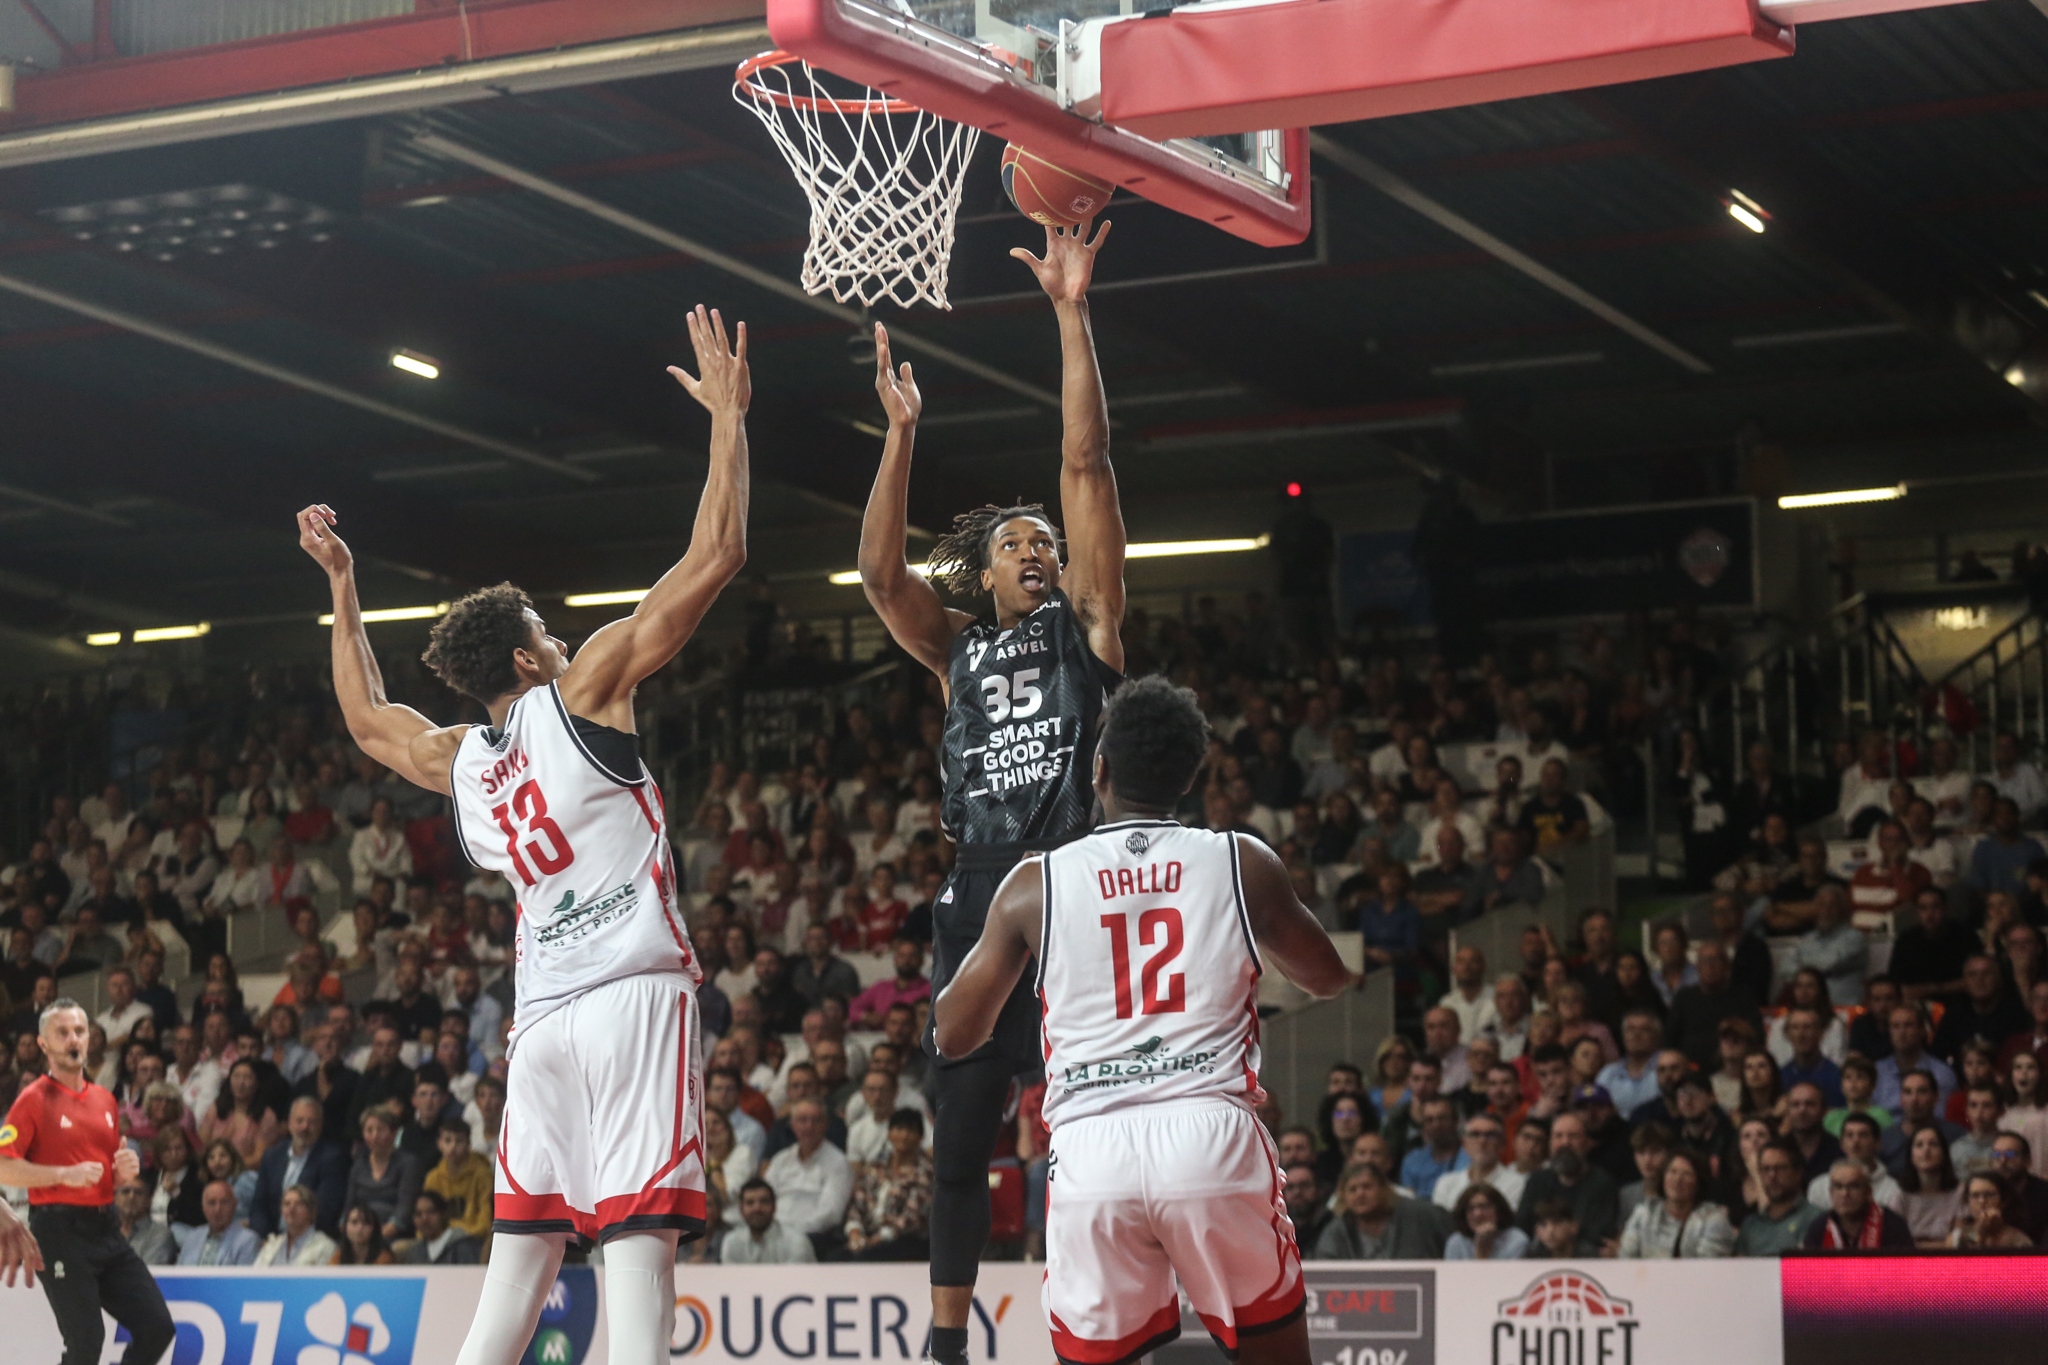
[{"x": 1304, "y": 62}]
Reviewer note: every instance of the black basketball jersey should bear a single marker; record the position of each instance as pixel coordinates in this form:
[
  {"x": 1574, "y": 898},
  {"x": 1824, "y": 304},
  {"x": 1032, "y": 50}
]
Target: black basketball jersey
[{"x": 1025, "y": 704}]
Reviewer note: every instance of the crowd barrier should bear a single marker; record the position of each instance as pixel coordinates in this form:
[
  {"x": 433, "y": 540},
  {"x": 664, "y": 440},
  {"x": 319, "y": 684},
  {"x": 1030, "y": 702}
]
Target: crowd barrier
[{"x": 1833, "y": 1311}]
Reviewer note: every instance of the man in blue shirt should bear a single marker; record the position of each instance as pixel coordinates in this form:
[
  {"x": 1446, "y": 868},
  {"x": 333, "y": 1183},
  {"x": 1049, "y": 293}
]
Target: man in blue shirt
[
  {"x": 1834, "y": 947},
  {"x": 1909, "y": 1054},
  {"x": 1999, "y": 862},
  {"x": 1803, "y": 1030},
  {"x": 1440, "y": 1152},
  {"x": 1631, "y": 1080}
]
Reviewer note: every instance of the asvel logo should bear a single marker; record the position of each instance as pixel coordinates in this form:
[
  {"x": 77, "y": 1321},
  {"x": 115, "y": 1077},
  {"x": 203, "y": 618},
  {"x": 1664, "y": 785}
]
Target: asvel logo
[
  {"x": 293, "y": 1320},
  {"x": 568, "y": 1319},
  {"x": 1565, "y": 1317}
]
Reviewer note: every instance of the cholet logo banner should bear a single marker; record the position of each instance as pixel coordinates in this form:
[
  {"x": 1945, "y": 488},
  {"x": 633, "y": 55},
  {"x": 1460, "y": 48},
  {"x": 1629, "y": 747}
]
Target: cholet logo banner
[{"x": 1610, "y": 1313}]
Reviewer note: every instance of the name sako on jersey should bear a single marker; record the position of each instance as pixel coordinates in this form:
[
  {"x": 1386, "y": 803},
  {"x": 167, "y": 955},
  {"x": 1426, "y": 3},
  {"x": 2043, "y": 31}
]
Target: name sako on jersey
[{"x": 1148, "y": 976}]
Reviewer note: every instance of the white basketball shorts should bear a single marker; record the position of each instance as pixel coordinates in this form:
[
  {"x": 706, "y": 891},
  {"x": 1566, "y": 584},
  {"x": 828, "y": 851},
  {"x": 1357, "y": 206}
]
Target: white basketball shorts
[
  {"x": 1137, "y": 1197},
  {"x": 603, "y": 1127}
]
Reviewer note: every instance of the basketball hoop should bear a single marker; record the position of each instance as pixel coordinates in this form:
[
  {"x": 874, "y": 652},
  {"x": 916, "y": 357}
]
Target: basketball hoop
[{"x": 882, "y": 177}]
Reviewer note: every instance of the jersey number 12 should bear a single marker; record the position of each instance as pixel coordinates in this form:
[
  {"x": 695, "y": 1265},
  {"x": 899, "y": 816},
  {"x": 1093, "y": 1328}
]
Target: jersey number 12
[
  {"x": 549, "y": 849},
  {"x": 1161, "y": 925}
]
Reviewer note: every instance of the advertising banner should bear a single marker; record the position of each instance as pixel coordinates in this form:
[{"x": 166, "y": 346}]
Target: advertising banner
[
  {"x": 1847, "y": 1311},
  {"x": 1700, "y": 554},
  {"x": 397, "y": 1316},
  {"x": 1910, "y": 1310}
]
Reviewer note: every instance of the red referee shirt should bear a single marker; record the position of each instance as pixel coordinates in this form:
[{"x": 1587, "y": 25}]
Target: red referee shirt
[{"x": 54, "y": 1126}]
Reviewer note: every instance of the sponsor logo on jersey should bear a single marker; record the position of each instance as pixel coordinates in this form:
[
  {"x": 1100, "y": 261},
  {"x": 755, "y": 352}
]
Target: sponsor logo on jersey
[
  {"x": 1138, "y": 843},
  {"x": 1141, "y": 1062},
  {"x": 1565, "y": 1314},
  {"x": 64, "y": 1121},
  {"x": 570, "y": 922},
  {"x": 8, "y": 1134}
]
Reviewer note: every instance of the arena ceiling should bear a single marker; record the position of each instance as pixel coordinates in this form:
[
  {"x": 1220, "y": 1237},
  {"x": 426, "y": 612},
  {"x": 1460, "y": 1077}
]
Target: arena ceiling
[{"x": 148, "y": 475}]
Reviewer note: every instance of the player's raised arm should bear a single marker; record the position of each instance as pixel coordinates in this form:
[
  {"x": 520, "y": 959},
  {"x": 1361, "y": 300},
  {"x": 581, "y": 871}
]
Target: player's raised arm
[
  {"x": 907, "y": 604},
  {"x": 1093, "y": 516},
  {"x": 396, "y": 736},
  {"x": 600, "y": 681},
  {"x": 1288, "y": 935},
  {"x": 966, "y": 1011}
]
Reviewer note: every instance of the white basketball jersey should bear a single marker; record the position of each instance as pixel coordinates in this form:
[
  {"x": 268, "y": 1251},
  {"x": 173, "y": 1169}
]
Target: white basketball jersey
[
  {"x": 585, "y": 848},
  {"x": 1147, "y": 974}
]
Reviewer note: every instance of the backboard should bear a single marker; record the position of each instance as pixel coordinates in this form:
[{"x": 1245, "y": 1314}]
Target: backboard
[{"x": 997, "y": 65}]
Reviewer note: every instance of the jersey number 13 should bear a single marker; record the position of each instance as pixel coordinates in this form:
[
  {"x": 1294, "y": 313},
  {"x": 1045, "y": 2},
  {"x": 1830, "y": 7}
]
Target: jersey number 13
[{"x": 549, "y": 848}]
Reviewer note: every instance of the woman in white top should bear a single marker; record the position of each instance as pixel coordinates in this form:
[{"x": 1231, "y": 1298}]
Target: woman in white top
[
  {"x": 738, "y": 977},
  {"x": 1930, "y": 1196},
  {"x": 728, "y": 1163},
  {"x": 2027, "y": 1115},
  {"x": 1678, "y": 1224},
  {"x": 240, "y": 884}
]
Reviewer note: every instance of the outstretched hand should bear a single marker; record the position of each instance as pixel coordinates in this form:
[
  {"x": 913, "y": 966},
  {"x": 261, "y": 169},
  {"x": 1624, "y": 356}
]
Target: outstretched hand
[
  {"x": 897, "y": 388},
  {"x": 18, "y": 1250},
  {"x": 317, "y": 538},
  {"x": 1069, "y": 261},
  {"x": 723, "y": 383}
]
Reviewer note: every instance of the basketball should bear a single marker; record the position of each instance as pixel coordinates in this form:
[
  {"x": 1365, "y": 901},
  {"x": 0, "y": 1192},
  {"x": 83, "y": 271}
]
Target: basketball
[{"x": 1046, "y": 194}]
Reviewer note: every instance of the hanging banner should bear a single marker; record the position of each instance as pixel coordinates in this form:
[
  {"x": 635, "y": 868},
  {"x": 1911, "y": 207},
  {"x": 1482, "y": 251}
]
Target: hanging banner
[{"x": 1698, "y": 554}]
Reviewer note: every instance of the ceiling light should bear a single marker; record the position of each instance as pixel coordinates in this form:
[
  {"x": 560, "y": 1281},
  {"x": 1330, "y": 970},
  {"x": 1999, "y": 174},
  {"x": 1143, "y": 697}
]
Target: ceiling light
[
  {"x": 2016, "y": 376},
  {"x": 426, "y": 201},
  {"x": 395, "y": 614},
  {"x": 1846, "y": 495},
  {"x": 1143, "y": 549},
  {"x": 847, "y": 578},
  {"x": 104, "y": 637},
  {"x": 604, "y": 599},
  {"x": 1746, "y": 211},
  {"x": 143, "y": 637},
  {"x": 1160, "y": 549},
  {"x": 412, "y": 362}
]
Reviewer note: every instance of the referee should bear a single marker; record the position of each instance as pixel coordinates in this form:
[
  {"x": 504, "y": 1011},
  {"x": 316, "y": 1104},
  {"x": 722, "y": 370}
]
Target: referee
[{"x": 62, "y": 1140}]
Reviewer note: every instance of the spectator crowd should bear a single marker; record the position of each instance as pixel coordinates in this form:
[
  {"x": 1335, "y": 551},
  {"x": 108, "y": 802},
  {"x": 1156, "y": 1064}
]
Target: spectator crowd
[{"x": 1756, "y": 1081}]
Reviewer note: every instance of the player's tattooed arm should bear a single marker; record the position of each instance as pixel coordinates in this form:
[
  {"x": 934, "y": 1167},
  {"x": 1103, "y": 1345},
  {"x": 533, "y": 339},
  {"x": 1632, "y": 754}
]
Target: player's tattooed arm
[
  {"x": 907, "y": 604},
  {"x": 600, "y": 681},
  {"x": 396, "y": 736},
  {"x": 1288, "y": 935},
  {"x": 966, "y": 1011},
  {"x": 1089, "y": 507}
]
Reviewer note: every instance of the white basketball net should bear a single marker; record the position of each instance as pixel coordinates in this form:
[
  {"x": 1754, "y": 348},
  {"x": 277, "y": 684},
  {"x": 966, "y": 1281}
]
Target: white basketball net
[{"x": 883, "y": 179}]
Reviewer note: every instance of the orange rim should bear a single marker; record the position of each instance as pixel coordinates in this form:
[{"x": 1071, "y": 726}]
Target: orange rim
[{"x": 744, "y": 77}]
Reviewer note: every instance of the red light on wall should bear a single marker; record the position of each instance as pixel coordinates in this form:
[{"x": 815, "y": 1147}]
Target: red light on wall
[{"x": 1293, "y": 490}]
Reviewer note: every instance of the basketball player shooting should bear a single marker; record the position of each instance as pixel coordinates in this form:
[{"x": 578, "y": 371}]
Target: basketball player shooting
[
  {"x": 1150, "y": 938},
  {"x": 600, "y": 1136},
  {"x": 1024, "y": 694}
]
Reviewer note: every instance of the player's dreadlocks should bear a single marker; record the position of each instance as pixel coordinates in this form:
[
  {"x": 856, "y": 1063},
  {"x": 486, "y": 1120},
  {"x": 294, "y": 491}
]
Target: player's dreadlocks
[
  {"x": 958, "y": 559},
  {"x": 471, "y": 647}
]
